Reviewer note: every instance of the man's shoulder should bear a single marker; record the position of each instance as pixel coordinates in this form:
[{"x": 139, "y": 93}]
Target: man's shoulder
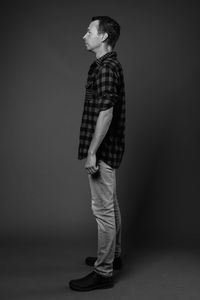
[{"x": 111, "y": 64}]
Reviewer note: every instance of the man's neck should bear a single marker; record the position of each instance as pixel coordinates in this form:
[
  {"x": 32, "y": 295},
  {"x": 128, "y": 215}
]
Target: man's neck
[{"x": 101, "y": 52}]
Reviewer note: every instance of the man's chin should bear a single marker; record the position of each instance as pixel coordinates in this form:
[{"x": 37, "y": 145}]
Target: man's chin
[{"x": 88, "y": 48}]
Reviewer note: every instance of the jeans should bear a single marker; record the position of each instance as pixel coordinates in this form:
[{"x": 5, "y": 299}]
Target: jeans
[{"x": 106, "y": 210}]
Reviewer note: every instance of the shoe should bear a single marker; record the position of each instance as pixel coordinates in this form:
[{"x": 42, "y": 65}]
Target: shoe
[
  {"x": 91, "y": 282},
  {"x": 117, "y": 263}
]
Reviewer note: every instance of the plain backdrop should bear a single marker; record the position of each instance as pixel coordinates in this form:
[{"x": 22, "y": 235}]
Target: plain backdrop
[{"x": 44, "y": 188}]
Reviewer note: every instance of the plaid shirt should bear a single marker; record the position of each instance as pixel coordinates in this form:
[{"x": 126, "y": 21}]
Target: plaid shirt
[{"x": 104, "y": 89}]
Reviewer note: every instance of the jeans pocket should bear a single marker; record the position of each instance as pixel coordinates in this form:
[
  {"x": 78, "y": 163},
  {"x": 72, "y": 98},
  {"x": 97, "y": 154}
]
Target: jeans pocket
[{"x": 105, "y": 166}]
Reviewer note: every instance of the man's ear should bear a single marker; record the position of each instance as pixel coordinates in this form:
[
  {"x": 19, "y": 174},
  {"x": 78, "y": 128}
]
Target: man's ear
[{"x": 105, "y": 36}]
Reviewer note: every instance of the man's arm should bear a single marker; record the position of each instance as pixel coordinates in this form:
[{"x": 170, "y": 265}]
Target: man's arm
[{"x": 102, "y": 126}]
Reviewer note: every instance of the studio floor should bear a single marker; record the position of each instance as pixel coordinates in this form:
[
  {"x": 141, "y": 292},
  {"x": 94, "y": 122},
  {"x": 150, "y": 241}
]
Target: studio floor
[{"x": 42, "y": 270}]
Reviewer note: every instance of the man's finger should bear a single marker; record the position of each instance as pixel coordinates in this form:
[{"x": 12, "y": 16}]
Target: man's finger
[
  {"x": 94, "y": 169},
  {"x": 88, "y": 170},
  {"x": 91, "y": 170}
]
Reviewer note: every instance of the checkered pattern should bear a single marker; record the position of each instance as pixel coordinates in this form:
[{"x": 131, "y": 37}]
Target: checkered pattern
[{"x": 104, "y": 89}]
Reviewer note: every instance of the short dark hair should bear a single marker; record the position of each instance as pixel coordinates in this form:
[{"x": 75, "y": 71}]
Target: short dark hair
[{"x": 109, "y": 26}]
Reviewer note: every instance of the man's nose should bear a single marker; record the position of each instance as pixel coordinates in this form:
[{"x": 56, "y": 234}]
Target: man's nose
[{"x": 84, "y": 37}]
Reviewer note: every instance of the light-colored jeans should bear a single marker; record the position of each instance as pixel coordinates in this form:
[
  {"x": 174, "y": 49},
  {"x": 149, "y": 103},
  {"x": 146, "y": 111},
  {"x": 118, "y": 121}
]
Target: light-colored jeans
[{"x": 106, "y": 210}]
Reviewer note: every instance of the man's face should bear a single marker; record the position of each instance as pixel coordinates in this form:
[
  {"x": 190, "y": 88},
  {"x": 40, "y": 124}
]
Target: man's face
[{"x": 92, "y": 38}]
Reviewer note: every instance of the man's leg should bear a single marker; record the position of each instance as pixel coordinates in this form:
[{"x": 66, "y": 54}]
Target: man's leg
[
  {"x": 118, "y": 250},
  {"x": 106, "y": 211}
]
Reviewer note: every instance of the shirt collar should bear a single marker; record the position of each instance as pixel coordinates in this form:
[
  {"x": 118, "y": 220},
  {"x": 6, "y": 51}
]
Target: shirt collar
[{"x": 100, "y": 60}]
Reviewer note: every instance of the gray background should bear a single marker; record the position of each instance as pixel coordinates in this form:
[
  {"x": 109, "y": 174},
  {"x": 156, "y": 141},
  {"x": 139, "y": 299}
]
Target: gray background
[{"x": 44, "y": 189}]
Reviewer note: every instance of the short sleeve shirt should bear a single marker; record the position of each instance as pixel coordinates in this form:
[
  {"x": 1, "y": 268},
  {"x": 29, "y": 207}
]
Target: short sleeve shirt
[{"x": 104, "y": 89}]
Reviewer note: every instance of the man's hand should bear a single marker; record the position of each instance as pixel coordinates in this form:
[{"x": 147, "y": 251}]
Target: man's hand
[{"x": 90, "y": 164}]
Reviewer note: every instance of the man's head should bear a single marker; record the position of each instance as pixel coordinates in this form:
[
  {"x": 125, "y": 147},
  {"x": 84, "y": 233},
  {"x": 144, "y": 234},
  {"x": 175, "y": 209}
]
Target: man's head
[{"x": 102, "y": 31}]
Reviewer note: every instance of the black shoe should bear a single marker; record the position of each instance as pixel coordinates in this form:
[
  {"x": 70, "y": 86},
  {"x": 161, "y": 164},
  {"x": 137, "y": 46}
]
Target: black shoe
[
  {"x": 91, "y": 282},
  {"x": 117, "y": 263}
]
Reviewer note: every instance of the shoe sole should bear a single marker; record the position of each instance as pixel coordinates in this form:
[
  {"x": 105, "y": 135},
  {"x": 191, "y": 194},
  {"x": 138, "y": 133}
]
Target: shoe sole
[{"x": 103, "y": 286}]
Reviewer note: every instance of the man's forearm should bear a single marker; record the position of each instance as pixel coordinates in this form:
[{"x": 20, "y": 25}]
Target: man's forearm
[{"x": 102, "y": 126}]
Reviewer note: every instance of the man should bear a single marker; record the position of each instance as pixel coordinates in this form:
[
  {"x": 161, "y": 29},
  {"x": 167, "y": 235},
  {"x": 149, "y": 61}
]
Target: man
[{"x": 102, "y": 144}]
